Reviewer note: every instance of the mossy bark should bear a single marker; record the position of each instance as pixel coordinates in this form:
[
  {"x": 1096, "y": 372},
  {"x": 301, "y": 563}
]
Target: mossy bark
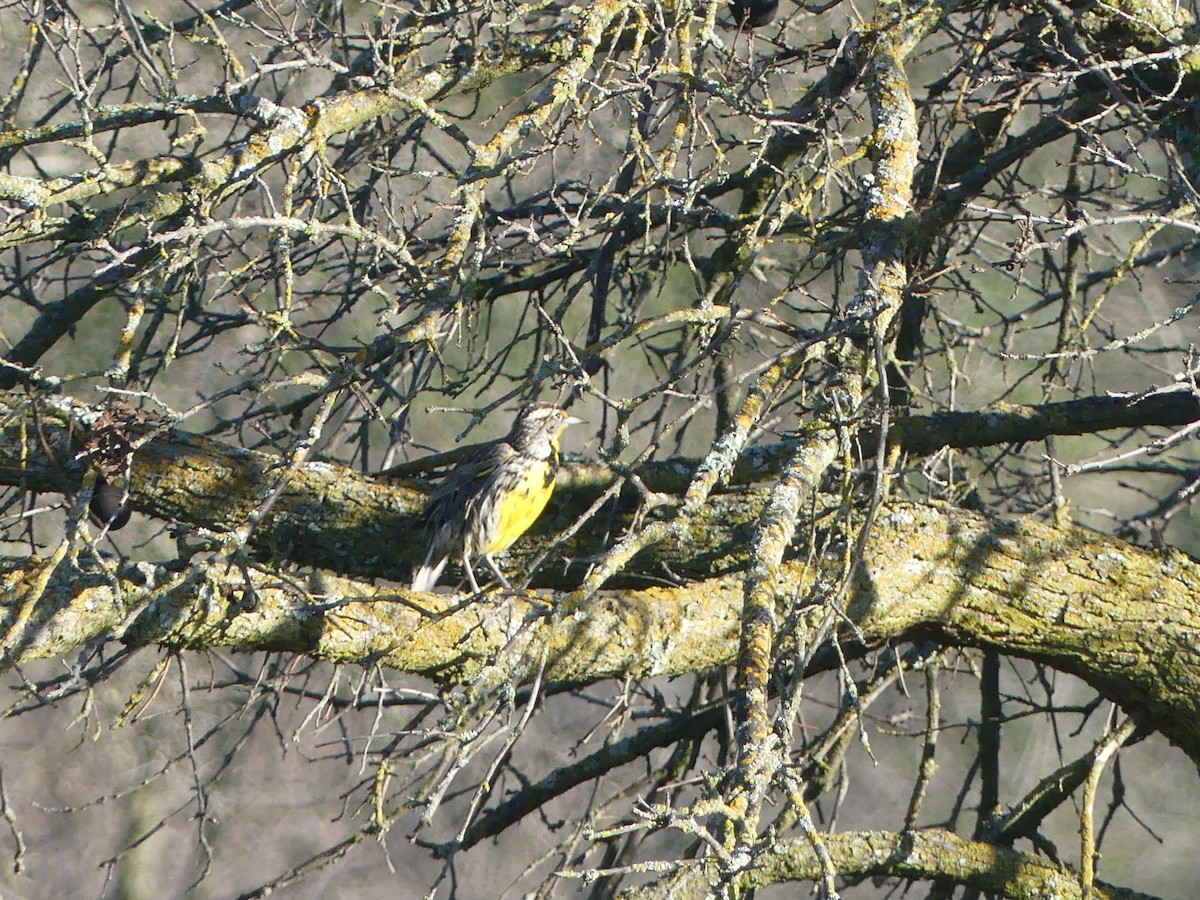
[{"x": 1121, "y": 618}]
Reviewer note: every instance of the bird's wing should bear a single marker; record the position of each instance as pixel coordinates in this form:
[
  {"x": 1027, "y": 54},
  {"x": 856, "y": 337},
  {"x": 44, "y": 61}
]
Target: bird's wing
[
  {"x": 447, "y": 509},
  {"x": 469, "y": 476}
]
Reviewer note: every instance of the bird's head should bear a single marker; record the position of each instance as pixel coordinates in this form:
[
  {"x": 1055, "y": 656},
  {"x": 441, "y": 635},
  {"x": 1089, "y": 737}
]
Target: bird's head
[{"x": 540, "y": 425}]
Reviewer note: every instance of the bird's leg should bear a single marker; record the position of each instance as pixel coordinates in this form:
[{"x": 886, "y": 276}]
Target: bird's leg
[
  {"x": 495, "y": 568},
  {"x": 470, "y": 573}
]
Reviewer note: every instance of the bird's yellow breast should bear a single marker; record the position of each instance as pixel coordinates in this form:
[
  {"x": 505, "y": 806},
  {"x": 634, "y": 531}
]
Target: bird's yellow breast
[{"x": 523, "y": 504}]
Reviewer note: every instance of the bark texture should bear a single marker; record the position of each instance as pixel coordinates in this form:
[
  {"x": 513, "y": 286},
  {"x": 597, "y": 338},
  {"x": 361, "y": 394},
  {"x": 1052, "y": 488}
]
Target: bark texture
[{"x": 1121, "y": 618}]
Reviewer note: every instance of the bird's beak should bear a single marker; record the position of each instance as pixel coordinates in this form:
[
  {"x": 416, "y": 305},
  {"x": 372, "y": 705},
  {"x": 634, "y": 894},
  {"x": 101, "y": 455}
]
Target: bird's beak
[{"x": 572, "y": 420}]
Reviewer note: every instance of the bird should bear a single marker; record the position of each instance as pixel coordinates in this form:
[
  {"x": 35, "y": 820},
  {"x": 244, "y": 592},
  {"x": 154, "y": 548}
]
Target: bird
[
  {"x": 492, "y": 496},
  {"x": 109, "y": 505},
  {"x": 754, "y": 13}
]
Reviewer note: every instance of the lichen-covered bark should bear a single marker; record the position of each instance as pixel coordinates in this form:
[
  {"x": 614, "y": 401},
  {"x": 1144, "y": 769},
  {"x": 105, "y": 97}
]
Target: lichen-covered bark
[
  {"x": 327, "y": 515},
  {"x": 1067, "y": 597},
  {"x": 1121, "y": 618},
  {"x": 919, "y": 855},
  {"x": 337, "y": 518}
]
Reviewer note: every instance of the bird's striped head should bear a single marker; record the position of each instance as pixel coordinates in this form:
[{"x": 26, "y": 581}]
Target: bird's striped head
[{"x": 538, "y": 427}]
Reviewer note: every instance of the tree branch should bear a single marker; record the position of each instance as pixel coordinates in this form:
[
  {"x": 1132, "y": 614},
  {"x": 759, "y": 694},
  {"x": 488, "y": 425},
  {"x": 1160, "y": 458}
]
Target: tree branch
[
  {"x": 1065, "y": 597},
  {"x": 920, "y": 855},
  {"x": 333, "y": 517}
]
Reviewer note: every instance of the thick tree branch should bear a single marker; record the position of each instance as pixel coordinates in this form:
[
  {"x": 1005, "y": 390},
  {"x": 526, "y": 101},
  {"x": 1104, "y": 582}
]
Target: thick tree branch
[
  {"x": 333, "y": 517},
  {"x": 1068, "y": 598},
  {"x": 1012, "y": 423},
  {"x": 918, "y": 855}
]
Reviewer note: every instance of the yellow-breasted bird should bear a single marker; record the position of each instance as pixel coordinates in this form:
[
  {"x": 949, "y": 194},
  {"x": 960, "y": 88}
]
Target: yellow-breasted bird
[{"x": 492, "y": 496}]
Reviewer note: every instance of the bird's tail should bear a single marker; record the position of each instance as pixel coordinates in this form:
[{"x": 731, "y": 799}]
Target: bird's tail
[{"x": 426, "y": 577}]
